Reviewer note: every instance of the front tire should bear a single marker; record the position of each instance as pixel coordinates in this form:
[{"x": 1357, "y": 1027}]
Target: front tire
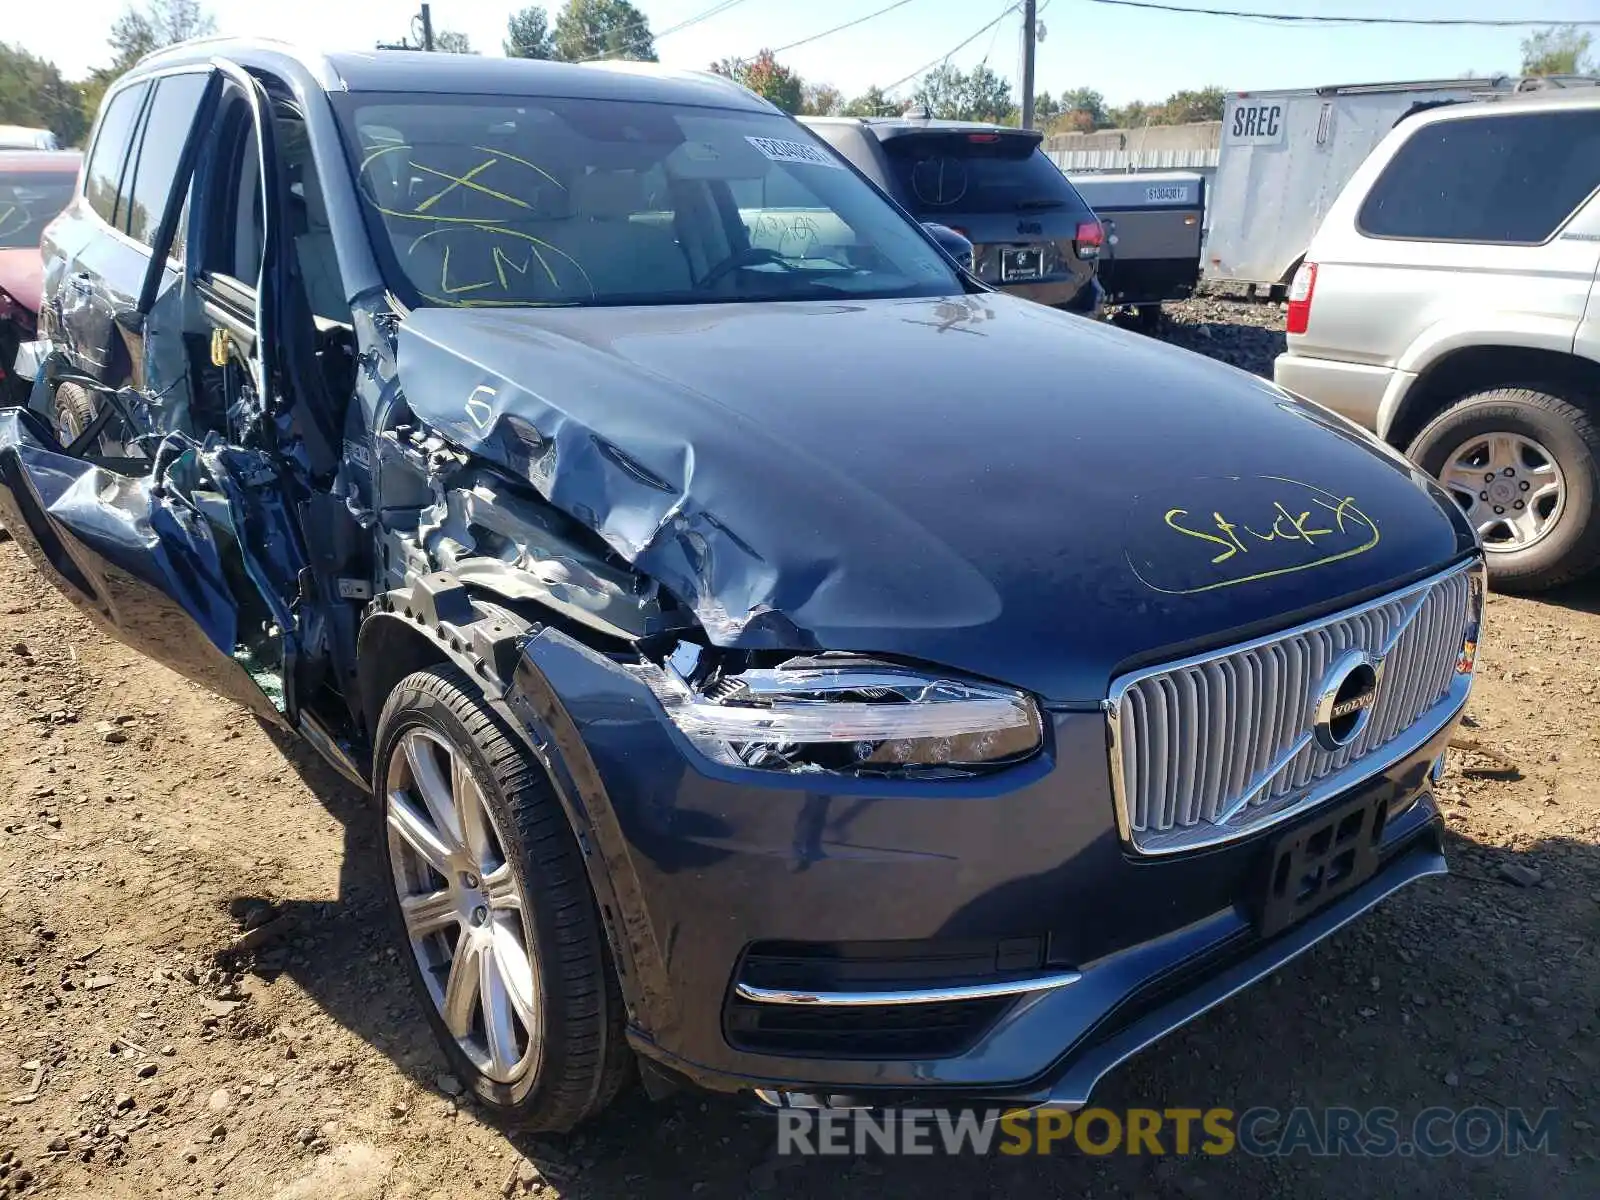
[
  {"x": 489, "y": 900},
  {"x": 1524, "y": 465}
]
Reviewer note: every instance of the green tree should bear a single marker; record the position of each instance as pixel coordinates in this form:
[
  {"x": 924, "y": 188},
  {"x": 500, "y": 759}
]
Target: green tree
[
  {"x": 987, "y": 96},
  {"x": 452, "y": 41},
  {"x": 1183, "y": 108},
  {"x": 871, "y": 103},
  {"x": 138, "y": 31},
  {"x": 33, "y": 93},
  {"x": 952, "y": 94},
  {"x": 1086, "y": 100},
  {"x": 1559, "y": 50},
  {"x": 1133, "y": 115},
  {"x": 594, "y": 29},
  {"x": 528, "y": 35},
  {"x": 943, "y": 91},
  {"x": 173, "y": 21},
  {"x": 821, "y": 100},
  {"x": 766, "y": 77}
]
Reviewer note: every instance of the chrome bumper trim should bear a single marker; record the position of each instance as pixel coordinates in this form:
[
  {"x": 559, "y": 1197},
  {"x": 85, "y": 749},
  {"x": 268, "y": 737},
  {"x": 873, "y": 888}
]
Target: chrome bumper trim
[{"x": 975, "y": 991}]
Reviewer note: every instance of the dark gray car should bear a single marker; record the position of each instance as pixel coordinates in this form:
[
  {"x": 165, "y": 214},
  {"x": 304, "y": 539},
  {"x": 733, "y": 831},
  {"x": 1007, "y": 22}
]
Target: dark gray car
[{"x": 1032, "y": 233}]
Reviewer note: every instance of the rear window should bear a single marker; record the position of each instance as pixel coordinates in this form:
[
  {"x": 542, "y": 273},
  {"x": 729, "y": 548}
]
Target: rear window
[
  {"x": 166, "y": 128},
  {"x": 1512, "y": 179},
  {"x": 940, "y": 174},
  {"x": 28, "y": 202}
]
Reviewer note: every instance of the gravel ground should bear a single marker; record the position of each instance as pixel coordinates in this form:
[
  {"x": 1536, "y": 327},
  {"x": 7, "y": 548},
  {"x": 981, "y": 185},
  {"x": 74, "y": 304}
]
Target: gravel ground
[
  {"x": 195, "y": 1000},
  {"x": 1244, "y": 334}
]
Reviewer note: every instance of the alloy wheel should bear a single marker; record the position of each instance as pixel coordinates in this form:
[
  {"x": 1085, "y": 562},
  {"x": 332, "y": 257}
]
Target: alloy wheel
[
  {"x": 1510, "y": 487},
  {"x": 465, "y": 914}
]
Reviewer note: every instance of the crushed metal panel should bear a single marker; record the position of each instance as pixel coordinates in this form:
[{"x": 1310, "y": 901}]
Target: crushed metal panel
[{"x": 145, "y": 567}]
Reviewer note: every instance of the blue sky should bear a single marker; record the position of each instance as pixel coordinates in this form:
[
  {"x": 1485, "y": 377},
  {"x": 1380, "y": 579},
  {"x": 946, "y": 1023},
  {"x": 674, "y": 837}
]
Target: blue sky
[{"x": 1127, "y": 54}]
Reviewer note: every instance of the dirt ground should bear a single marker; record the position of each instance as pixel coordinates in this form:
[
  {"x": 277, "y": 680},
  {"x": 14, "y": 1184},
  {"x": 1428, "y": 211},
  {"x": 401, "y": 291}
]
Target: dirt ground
[{"x": 148, "y": 826}]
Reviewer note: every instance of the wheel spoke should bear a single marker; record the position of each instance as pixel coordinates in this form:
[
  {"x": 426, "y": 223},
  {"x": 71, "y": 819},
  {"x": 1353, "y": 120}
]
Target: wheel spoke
[
  {"x": 500, "y": 886},
  {"x": 476, "y": 833},
  {"x": 1461, "y": 477},
  {"x": 412, "y": 828},
  {"x": 430, "y": 913},
  {"x": 516, "y": 970},
  {"x": 500, "y": 1032},
  {"x": 433, "y": 784},
  {"x": 1503, "y": 452},
  {"x": 461, "y": 989},
  {"x": 1524, "y": 527}
]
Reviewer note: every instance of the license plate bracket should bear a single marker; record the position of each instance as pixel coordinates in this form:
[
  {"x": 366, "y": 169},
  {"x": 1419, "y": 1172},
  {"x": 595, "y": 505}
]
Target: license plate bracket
[
  {"x": 1020, "y": 264},
  {"x": 1321, "y": 860}
]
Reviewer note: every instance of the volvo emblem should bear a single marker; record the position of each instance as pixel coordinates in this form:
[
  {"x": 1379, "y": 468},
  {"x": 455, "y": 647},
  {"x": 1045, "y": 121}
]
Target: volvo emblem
[{"x": 1345, "y": 699}]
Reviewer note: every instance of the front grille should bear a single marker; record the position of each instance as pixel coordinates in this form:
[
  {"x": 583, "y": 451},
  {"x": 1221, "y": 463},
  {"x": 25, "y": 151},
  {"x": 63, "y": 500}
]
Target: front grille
[{"x": 1222, "y": 745}]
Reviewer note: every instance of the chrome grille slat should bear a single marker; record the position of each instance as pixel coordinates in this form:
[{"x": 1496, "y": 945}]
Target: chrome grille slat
[{"x": 1194, "y": 737}]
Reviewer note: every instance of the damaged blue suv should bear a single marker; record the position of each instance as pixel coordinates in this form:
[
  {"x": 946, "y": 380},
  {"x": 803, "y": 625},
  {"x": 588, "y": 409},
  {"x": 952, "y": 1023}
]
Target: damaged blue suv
[{"x": 777, "y": 659}]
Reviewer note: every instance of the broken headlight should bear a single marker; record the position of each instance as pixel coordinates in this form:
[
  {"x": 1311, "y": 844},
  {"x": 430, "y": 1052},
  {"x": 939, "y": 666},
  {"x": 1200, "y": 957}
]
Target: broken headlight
[{"x": 844, "y": 714}]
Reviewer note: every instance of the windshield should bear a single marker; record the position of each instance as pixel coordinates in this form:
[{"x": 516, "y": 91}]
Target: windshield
[
  {"x": 29, "y": 201},
  {"x": 944, "y": 173},
  {"x": 493, "y": 201}
]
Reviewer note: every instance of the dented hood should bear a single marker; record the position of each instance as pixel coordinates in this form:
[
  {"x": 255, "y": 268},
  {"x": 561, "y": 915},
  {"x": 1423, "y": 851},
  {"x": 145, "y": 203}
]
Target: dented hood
[{"x": 976, "y": 481}]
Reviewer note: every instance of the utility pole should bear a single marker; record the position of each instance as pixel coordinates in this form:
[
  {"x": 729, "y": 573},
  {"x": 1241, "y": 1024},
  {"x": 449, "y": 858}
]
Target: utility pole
[
  {"x": 1030, "y": 25},
  {"x": 427, "y": 27}
]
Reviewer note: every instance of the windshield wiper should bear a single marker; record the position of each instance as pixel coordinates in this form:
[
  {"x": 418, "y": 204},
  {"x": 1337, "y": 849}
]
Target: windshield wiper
[{"x": 1039, "y": 202}]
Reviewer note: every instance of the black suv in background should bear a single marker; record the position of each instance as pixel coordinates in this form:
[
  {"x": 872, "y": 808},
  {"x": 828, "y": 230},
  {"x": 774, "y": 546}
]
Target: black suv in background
[{"x": 1032, "y": 234}]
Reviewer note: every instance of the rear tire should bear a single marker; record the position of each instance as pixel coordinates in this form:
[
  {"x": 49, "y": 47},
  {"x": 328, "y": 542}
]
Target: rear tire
[
  {"x": 1569, "y": 547},
  {"x": 71, "y": 412},
  {"x": 538, "y": 1038}
]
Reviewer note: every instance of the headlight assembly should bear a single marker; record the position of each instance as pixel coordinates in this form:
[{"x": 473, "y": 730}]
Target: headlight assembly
[{"x": 844, "y": 714}]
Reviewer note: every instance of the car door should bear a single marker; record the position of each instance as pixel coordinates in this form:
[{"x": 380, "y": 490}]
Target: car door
[{"x": 192, "y": 556}]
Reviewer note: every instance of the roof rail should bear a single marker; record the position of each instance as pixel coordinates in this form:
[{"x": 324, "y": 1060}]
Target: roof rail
[{"x": 209, "y": 39}]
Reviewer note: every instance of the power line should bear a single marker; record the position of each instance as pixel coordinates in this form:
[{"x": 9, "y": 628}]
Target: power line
[
  {"x": 847, "y": 25},
  {"x": 721, "y": 7},
  {"x": 1307, "y": 19},
  {"x": 959, "y": 46}
]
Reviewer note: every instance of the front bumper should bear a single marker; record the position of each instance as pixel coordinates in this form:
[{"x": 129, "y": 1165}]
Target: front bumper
[{"x": 701, "y": 865}]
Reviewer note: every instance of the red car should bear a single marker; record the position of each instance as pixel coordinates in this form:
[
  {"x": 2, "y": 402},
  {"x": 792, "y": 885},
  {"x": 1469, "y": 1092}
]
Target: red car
[{"x": 35, "y": 185}]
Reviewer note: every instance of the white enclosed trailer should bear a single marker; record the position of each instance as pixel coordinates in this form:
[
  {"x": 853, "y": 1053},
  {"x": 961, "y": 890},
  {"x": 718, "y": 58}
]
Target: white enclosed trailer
[{"x": 1285, "y": 155}]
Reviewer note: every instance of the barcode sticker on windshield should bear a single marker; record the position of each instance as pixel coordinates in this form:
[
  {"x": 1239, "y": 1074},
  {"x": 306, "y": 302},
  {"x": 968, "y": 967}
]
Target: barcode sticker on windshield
[{"x": 779, "y": 150}]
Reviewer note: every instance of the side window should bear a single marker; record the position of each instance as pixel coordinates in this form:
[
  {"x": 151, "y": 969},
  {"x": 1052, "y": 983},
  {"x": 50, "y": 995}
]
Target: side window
[
  {"x": 1512, "y": 179},
  {"x": 103, "y": 176},
  {"x": 236, "y": 226},
  {"x": 166, "y": 127}
]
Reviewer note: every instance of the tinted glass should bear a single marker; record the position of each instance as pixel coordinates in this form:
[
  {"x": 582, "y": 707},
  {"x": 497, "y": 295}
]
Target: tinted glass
[
  {"x": 104, "y": 172},
  {"x": 29, "y": 201},
  {"x": 940, "y": 174},
  {"x": 1508, "y": 179},
  {"x": 485, "y": 201},
  {"x": 172, "y": 112}
]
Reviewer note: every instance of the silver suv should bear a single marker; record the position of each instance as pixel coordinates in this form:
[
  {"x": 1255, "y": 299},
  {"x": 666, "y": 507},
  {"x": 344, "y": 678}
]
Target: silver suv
[{"x": 1449, "y": 303}]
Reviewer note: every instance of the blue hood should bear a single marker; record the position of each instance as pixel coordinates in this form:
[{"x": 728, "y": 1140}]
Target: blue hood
[{"x": 974, "y": 481}]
